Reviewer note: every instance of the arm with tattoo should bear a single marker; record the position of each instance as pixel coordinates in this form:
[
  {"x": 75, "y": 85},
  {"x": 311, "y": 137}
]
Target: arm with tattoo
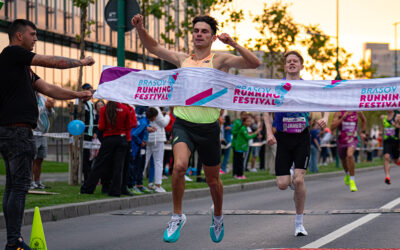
[{"x": 60, "y": 62}]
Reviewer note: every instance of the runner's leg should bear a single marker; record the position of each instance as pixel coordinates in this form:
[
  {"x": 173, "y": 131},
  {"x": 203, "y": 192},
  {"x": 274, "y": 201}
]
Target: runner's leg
[
  {"x": 215, "y": 185},
  {"x": 181, "y": 160}
]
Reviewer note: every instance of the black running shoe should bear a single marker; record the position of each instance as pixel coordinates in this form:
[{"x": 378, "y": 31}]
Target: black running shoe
[{"x": 387, "y": 180}]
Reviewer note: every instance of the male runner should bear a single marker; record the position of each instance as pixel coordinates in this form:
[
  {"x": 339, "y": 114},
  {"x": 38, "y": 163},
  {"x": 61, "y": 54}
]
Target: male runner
[
  {"x": 293, "y": 144},
  {"x": 391, "y": 125},
  {"x": 347, "y": 141},
  {"x": 197, "y": 127}
]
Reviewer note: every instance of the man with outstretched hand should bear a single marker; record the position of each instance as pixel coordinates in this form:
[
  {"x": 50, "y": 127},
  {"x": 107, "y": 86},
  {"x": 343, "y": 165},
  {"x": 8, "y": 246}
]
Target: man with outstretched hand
[{"x": 19, "y": 115}]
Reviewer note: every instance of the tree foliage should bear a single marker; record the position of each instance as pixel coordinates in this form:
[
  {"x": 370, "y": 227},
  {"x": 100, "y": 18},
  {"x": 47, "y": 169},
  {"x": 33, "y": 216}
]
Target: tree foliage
[{"x": 278, "y": 32}]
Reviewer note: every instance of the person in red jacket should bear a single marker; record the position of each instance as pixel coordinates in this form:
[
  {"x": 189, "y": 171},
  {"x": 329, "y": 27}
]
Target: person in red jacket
[{"x": 115, "y": 120}]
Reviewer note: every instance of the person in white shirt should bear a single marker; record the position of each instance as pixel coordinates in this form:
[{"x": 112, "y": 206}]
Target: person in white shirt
[{"x": 155, "y": 147}]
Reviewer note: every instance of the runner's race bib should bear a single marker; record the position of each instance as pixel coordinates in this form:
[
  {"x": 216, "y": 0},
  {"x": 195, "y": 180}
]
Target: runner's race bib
[
  {"x": 294, "y": 125},
  {"x": 389, "y": 131},
  {"x": 348, "y": 126}
]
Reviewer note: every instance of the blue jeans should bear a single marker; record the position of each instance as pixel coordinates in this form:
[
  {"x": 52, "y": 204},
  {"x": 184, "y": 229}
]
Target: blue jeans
[
  {"x": 135, "y": 172},
  {"x": 18, "y": 150},
  {"x": 226, "y": 153},
  {"x": 151, "y": 170},
  {"x": 313, "y": 159}
]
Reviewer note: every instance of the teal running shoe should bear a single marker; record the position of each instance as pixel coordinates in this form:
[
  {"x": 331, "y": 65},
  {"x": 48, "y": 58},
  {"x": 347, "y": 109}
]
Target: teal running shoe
[
  {"x": 216, "y": 228},
  {"x": 173, "y": 231}
]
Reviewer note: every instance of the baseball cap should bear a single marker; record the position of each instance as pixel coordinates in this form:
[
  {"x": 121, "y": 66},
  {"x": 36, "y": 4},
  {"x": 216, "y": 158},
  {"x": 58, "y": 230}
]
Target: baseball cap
[{"x": 86, "y": 86}]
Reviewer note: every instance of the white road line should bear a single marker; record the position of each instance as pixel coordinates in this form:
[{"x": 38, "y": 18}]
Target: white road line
[{"x": 349, "y": 227}]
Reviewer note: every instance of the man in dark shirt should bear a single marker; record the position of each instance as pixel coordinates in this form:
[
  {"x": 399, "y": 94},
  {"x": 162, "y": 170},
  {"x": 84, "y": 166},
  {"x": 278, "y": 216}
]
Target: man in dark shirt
[{"x": 19, "y": 115}]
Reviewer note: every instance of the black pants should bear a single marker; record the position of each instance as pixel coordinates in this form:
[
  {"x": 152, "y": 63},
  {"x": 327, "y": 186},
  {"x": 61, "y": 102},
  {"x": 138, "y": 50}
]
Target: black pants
[
  {"x": 112, "y": 150},
  {"x": 136, "y": 170},
  {"x": 86, "y": 163},
  {"x": 18, "y": 150},
  {"x": 262, "y": 157},
  {"x": 128, "y": 159},
  {"x": 238, "y": 163}
]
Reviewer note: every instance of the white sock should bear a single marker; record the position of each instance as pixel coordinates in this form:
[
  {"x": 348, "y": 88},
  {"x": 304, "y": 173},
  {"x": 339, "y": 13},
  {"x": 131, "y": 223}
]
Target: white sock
[
  {"x": 299, "y": 220},
  {"x": 347, "y": 173},
  {"x": 352, "y": 178},
  {"x": 176, "y": 216},
  {"x": 218, "y": 218}
]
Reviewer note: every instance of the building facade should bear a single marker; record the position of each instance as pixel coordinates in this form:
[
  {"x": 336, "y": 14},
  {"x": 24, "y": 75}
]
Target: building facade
[
  {"x": 382, "y": 58},
  {"x": 58, "y": 24}
]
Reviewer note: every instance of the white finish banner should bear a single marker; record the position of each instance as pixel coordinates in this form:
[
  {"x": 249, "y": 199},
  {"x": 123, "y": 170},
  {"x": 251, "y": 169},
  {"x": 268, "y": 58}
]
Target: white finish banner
[{"x": 213, "y": 88}]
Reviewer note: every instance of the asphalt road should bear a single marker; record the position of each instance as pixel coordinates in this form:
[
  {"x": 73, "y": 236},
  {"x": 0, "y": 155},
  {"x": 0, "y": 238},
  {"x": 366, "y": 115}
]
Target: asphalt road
[{"x": 255, "y": 219}]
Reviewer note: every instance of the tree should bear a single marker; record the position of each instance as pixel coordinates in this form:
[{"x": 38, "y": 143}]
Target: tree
[
  {"x": 76, "y": 152},
  {"x": 277, "y": 32},
  {"x": 192, "y": 8}
]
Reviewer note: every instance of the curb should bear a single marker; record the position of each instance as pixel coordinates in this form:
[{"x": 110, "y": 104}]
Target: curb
[{"x": 67, "y": 211}]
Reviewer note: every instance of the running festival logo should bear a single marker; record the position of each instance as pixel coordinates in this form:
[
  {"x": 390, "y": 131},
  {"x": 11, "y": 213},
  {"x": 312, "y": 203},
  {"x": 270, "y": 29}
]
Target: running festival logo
[
  {"x": 334, "y": 83},
  {"x": 372, "y": 98},
  {"x": 383, "y": 97},
  {"x": 245, "y": 94},
  {"x": 205, "y": 97},
  {"x": 156, "y": 89}
]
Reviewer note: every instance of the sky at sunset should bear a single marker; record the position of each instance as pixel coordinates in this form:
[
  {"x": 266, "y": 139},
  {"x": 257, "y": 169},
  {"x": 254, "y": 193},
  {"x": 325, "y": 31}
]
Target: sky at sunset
[{"x": 360, "y": 21}]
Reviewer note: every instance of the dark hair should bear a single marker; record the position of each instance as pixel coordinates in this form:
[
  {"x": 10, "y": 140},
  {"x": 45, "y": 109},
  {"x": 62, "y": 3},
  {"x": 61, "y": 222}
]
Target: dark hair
[
  {"x": 245, "y": 118},
  {"x": 293, "y": 52},
  {"x": 98, "y": 101},
  {"x": 151, "y": 112},
  {"x": 111, "y": 113},
  {"x": 19, "y": 25},
  {"x": 227, "y": 120},
  {"x": 209, "y": 20}
]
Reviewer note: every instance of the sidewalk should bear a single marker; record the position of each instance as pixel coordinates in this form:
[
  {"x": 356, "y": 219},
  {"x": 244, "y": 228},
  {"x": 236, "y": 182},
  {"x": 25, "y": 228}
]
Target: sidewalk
[{"x": 66, "y": 211}]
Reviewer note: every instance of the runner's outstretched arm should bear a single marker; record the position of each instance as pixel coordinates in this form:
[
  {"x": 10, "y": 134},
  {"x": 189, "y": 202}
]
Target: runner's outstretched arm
[
  {"x": 246, "y": 60},
  {"x": 153, "y": 46}
]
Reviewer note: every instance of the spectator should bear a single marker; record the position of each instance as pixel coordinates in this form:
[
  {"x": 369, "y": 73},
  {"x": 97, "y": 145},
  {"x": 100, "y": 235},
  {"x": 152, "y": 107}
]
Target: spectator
[
  {"x": 255, "y": 150},
  {"x": 140, "y": 136},
  {"x": 114, "y": 121},
  {"x": 263, "y": 138},
  {"x": 270, "y": 149},
  {"x": 325, "y": 142},
  {"x": 168, "y": 156},
  {"x": 155, "y": 147},
  {"x": 19, "y": 115},
  {"x": 369, "y": 144},
  {"x": 228, "y": 141},
  {"x": 45, "y": 107},
  {"x": 315, "y": 148},
  {"x": 241, "y": 143},
  {"x": 96, "y": 132},
  {"x": 128, "y": 155},
  {"x": 88, "y": 134}
]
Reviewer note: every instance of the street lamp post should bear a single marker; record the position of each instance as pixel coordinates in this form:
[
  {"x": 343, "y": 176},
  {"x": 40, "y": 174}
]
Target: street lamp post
[
  {"x": 337, "y": 42},
  {"x": 395, "y": 48}
]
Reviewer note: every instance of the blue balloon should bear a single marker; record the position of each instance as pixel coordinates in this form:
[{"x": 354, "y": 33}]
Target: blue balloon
[{"x": 76, "y": 127}]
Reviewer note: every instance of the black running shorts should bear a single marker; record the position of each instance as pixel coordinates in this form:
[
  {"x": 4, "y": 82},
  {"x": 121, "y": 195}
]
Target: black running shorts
[
  {"x": 292, "y": 148},
  {"x": 203, "y": 137},
  {"x": 391, "y": 147}
]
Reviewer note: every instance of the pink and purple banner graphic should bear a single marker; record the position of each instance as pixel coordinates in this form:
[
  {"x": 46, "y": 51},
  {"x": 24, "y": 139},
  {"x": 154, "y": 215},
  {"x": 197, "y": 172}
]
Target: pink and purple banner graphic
[{"x": 213, "y": 88}]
